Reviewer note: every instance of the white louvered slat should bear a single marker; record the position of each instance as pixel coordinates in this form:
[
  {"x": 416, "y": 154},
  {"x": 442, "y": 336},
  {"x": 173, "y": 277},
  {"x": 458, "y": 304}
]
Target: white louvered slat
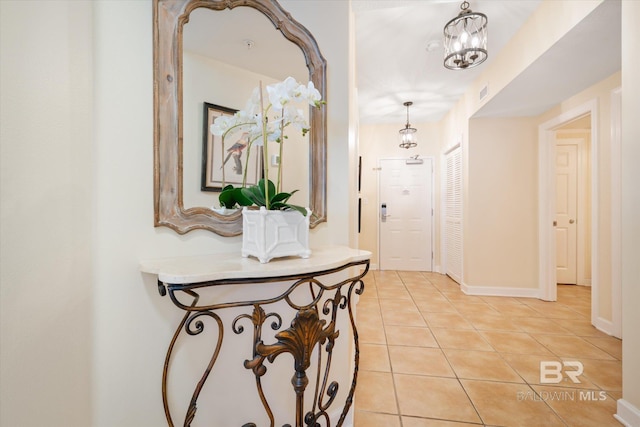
[{"x": 453, "y": 214}]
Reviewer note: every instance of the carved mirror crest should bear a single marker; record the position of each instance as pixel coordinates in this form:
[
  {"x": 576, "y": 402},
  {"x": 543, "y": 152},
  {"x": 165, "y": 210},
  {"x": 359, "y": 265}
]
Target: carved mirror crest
[{"x": 169, "y": 19}]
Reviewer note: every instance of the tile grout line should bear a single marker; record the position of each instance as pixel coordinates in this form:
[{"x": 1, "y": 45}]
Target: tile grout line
[
  {"x": 386, "y": 341},
  {"x": 457, "y": 378},
  {"x": 440, "y": 288}
]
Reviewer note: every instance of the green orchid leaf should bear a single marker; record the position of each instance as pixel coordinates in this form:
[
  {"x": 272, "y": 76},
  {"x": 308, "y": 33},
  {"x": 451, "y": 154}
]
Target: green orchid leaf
[
  {"x": 247, "y": 193},
  {"x": 280, "y": 206},
  {"x": 280, "y": 197},
  {"x": 283, "y": 197},
  {"x": 254, "y": 194},
  {"x": 260, "y": 186},
  {"x": 230, "y": 197},
  {"x": 258, "y": 196},
  {"x": 300, "y": 209},
  {"x": 227, "y": 199},
  {"x": 271, "y": 187},
  {"x": 241, "y": 199},
  {"x": 291, "y": 194}
]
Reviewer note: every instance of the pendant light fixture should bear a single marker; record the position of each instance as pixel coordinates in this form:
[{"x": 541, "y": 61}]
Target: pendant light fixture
[
  {"x": 407, "y": 133},
  {"x": 465, "y": 39}
]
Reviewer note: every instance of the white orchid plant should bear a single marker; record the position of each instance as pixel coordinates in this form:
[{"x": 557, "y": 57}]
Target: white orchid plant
[{"x": 261, "y": 121}]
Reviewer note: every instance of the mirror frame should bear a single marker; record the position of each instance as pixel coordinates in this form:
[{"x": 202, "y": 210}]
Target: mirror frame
[{"x": 169, "y": 18}]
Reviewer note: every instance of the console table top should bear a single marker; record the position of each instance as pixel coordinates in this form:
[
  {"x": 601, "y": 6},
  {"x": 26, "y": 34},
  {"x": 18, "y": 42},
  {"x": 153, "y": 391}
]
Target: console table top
[{"x": 204, "y": 268}]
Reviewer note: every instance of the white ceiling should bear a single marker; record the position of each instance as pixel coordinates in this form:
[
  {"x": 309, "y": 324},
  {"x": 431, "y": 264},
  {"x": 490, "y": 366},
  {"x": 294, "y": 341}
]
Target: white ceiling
[
  {"x": 394, "y": 64},
  {"x": 245, "y": 38}
]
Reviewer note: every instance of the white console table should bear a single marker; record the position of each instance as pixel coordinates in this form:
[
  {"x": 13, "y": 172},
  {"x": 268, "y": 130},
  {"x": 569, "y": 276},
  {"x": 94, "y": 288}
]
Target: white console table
[{"x": 313, "y": 328}]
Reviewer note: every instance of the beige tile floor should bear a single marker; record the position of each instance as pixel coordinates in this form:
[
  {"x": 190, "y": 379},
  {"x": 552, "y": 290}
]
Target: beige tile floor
[{"x": 433, "y": 356}]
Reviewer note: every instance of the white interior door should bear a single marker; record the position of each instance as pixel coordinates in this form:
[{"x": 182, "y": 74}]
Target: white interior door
[
  {"x": 566, "y": 214},
  {"x": 406, "y": 214}
]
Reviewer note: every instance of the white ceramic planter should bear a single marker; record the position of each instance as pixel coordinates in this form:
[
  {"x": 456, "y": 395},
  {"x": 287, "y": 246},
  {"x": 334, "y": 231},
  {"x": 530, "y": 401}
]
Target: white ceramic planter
[{"x": 273, "y": 234}]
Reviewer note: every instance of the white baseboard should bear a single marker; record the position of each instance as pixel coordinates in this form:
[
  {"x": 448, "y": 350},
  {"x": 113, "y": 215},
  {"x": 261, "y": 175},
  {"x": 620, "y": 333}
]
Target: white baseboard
[
  {"x": 496, "y": 291},
  {"x": 604, "y": 325},
  {"x": 627, "y": 414},
  {"x": 373, "y": 267}
]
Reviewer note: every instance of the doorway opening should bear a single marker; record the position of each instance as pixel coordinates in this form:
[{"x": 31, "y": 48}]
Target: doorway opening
[
  {"x": 547, "y": 196},
  {"x": 547, "y": 202}
]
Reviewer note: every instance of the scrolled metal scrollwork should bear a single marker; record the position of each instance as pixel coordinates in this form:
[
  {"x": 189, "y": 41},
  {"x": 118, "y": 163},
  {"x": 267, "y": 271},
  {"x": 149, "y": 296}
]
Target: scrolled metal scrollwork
[
  {"x": 258, "y": 317},
  {"x": 313, "y": 331},
  {"x": 199, "y": 327},
  {"x": 306, "y": 331}
]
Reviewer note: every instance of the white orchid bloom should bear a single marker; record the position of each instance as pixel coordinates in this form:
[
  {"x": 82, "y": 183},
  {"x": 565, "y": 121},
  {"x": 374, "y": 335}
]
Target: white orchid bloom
[
  {"x": 245, "y": 117},
  {"x": 276, "y": 121},
  {"x": 312, "y": 95},
  {"x": 281, "y": 93},
  {"x": 296, "y": 118},
  {"x": 275, "y": 135},
  {"x": 265, "y": 119},
  {"x": 298, "y": 93},
  {"x": 222, "y": 124}
]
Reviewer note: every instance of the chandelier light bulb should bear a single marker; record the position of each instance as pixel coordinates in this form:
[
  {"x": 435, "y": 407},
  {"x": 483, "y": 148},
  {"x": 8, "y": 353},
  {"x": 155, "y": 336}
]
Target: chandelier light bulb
[{"x": 464, "y": 37}]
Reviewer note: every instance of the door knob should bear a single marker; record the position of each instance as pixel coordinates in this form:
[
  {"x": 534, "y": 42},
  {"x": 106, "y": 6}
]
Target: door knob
[{"x": 571, "y": 221}]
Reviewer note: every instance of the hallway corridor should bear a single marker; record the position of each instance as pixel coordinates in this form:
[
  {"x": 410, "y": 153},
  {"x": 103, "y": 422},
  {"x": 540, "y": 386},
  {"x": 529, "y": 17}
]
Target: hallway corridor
[{"x": 433, "y": 356}]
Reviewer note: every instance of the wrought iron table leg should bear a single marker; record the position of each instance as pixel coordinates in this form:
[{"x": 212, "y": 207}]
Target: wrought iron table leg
[{"x": 307, "y": 331}]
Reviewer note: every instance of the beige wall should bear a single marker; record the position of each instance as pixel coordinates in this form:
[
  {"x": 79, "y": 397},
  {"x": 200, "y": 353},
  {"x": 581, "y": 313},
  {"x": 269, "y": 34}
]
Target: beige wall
[
  {"x": 630, "y": 207},
  {"x": 380, "y": 141},
  {"x": 502, "y": 194},
  {"x": 500, "y": 234},
  {"x": 84, "y": 333},
  {"x": 46, "y": 186},
  {"x": 546, "y": 26},
  {"x": 77, "y": 206}
]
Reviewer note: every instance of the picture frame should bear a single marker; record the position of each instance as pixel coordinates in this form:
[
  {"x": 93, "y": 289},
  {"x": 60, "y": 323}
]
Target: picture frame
[{"x": 223, "y": 164}]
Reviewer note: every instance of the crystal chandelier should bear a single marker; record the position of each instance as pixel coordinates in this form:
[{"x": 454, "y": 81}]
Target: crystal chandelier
[
  {"x": 407, "y": 133},
  {"x": 465, "y": 39}
]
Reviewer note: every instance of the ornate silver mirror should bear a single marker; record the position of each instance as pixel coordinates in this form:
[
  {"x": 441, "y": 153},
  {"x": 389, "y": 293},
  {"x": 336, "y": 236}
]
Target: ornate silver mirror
[{"x": 174, "y": 162}]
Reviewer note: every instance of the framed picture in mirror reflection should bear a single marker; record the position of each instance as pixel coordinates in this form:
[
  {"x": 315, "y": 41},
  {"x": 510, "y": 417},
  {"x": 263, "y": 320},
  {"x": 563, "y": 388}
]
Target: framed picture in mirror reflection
[{"x": 225, "y": 163}]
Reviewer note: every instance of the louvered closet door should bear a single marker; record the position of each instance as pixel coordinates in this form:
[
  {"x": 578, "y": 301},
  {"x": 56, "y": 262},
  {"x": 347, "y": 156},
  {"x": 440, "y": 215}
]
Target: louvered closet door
[{"x": 453, "y": 214}]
